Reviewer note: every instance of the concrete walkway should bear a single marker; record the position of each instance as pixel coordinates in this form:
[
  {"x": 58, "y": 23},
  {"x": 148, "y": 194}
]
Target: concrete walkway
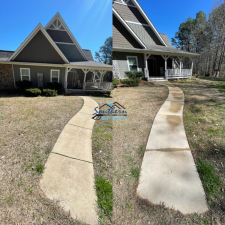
[
  {"x": 69, "y": 175},
  {"x": 168, "y": 173}
]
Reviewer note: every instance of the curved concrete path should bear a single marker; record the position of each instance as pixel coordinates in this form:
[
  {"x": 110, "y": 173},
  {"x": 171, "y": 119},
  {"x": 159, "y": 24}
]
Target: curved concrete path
[
  {"x": 69, "y": 175},
  {"x": 168, "y": 173}
]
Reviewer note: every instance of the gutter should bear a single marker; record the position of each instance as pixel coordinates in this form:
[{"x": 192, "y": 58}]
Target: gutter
[{"x": 156, "y": 52}]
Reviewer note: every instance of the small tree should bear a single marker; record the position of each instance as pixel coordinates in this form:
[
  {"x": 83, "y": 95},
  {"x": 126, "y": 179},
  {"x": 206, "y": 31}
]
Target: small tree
[{"x": 104, "y": 55}]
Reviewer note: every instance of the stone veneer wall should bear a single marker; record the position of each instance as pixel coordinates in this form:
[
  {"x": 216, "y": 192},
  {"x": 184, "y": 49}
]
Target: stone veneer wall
[{"x": 6, "y": 77}]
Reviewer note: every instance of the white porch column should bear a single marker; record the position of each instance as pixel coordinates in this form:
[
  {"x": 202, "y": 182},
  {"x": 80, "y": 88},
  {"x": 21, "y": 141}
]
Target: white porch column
[
  {"x": 181, "y": 60},
  {"x": 166, "y": 57},
  {"x": 191, "y": 65},
  {"x": 67, "y": 70},
  {"x": 85, "y": 74},
  {"x": 102, "y": 72},
  {"x": 146, "y": 57}
]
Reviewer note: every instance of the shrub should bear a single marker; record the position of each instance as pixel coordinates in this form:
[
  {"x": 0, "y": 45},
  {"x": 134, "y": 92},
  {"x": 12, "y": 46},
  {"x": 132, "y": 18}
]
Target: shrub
[
  {"x": 115, "y": 82},
  {"x": 49, "y": 92},
  {"x": 33, "y": 92},
  {"x": 25, "y": 84},
  {"x": 130, "y": 82},
  {"x": 54, "y": 85},
  {"x": 134, "y": 74}
]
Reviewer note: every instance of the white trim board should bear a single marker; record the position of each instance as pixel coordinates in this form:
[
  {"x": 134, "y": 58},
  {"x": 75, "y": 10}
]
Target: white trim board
[
  {"x": 125, "y": 4},
  {"x": 127, "y": 21},
  {"x": 128, "y": 28},
  {"x": 149, "y": 22},
  {"x": 58, "y": 16},
  {"x": 39, "y": 27}
]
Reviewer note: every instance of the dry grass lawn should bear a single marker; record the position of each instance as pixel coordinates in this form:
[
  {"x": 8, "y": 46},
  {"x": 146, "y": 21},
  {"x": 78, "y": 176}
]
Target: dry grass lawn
[
  {"x": 205, "y": 127},
  {"x": 29, "y": 130}
]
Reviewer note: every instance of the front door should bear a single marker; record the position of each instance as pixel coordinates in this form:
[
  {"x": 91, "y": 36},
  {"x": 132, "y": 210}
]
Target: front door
[{"x": 152, "y": 67}]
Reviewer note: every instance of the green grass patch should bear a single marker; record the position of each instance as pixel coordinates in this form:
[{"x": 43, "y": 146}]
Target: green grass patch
[
  {"x": 39, "y": 168},
  {"x": 102, "y": 134},
  {"x": 212, "y": 79},
  {"x": 105, "y": 197},
  {"x": 210, "y": 180},
  {"x": 135, "y": 172},
  {"x": 220, "y": 87}
]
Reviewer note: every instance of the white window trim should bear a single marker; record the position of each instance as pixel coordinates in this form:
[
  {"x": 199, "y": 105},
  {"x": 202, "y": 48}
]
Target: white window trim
[
  {"x": 51, "y": 74},
  {"x": 130, "y": 56},
  {"x": 24, "y": 75}
]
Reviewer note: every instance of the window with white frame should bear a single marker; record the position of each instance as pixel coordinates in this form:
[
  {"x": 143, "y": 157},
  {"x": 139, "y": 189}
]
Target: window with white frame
[
  {"x": 132, "y": 62},
  {"x": 55, "y": 76},
  {"x": 25, "y": 74}
]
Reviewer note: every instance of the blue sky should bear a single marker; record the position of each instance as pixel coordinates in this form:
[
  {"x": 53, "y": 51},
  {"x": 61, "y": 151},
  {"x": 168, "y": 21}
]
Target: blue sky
[
  {"x": 166, "y": 15},
  {"x": 89, "y": 20}
]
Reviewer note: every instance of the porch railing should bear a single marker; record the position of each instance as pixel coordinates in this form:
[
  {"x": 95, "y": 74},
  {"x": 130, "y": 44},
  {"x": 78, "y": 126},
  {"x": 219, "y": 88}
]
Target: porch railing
[
  {"x": 101, "y": 86},
  {"x": 177, "y": 73}
]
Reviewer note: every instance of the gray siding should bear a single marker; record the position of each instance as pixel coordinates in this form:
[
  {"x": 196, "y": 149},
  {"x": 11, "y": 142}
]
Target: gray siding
[
  {"x": 145, "y": 33},
  {"x": 121, "y": 58},
  {"x": 39, "y": 69},
  {"x": 39, "y": 49},
  {"x": 129, "y": 13},
  {"x": 71, "y": 52},
  {"x": 121, "y": 37},
  {"x": 59, "y": 36}
]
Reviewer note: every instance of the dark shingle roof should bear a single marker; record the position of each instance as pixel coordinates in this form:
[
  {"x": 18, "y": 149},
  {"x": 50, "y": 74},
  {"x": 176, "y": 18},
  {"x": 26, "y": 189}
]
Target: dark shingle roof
[
  {"x": 4, "y": 55},
  {"x": 166, "y": 39},
  {"x": 88, "y": 54}
]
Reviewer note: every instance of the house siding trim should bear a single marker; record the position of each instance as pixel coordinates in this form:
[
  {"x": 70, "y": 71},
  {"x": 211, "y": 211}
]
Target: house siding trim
[
  {"x": 58, "y": 16},
  {"x": 38, "y": 28},
  {"x": 149, "y": 22},
  {"x": 128, "y": 28}
]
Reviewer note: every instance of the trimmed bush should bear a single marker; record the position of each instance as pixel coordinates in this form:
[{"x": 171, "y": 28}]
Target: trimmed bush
[
  {"x": 130, "y": 82},
  {"x": 55, "y": 86},
  {"x": 33, "y": 92},
  {"x": 49, "y": 92},
  {"x": 134, "y": 74},
  {"x": 25, "y": 84},
  {"x": 115, "y": 82}
]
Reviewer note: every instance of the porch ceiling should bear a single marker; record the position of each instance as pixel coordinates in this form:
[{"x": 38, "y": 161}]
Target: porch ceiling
[{"x": 159, "y": 50}]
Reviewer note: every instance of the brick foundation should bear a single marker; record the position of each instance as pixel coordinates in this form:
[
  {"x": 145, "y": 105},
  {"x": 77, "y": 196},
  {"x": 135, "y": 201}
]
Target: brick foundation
[{"x": 6, "y": 77}]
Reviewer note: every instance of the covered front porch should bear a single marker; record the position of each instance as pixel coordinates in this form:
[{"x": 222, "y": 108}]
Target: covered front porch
[
  {"x": 88, "y": 79},
  {"x": 166, "y": 67}
]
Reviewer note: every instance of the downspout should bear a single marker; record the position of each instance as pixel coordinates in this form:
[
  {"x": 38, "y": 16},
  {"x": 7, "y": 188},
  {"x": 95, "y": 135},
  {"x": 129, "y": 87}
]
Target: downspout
[{"x": 13, "y": 77}]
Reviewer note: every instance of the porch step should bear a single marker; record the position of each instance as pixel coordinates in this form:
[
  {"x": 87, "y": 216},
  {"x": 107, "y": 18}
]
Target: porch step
[{"x": 153, "y": 79}]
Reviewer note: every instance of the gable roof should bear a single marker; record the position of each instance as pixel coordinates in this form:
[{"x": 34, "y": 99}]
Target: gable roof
[
  {"x": 66, "y": 28},
  {"x": 38, "y": 28},
  {"x": 141, "y": 18},
  {"x": 88, "y": 53},
  {"x": 166, "y": 39}
]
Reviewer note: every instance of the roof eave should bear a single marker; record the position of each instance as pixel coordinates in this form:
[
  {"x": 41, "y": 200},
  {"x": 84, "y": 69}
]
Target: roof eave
[{"x": 155, "y": 52}]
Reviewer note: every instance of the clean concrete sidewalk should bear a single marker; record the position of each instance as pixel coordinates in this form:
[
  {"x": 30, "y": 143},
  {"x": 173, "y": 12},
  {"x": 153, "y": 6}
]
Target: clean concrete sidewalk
[
  {"x": 69, "y": 175},
  {"x": 168, "y": 173}
]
